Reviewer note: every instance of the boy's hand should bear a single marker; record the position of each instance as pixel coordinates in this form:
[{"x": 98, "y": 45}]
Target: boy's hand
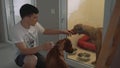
[
  {"x": 47, "y": 46},
  {"x": 68, "y": 32},
  {"x": 72, "y": 32}
]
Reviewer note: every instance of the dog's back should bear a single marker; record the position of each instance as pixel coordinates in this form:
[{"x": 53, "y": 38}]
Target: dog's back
[{"x": 55, "y": 58}]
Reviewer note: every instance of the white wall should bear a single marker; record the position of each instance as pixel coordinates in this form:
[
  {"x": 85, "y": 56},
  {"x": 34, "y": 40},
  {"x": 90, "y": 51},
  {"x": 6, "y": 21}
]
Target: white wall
[{"x": 48, "y": 19}]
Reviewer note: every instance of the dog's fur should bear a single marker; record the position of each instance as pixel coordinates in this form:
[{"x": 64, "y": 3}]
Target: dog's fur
[
  {"x": 55, "y": 57},
  {"x": 95, "y": 34}
]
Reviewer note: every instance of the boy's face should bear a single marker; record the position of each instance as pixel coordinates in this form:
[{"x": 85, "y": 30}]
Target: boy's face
[{"x": 33, "y": 19}]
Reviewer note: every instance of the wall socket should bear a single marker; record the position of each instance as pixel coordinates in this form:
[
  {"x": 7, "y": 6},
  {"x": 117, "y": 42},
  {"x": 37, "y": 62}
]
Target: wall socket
[{"x": 53, "y": 11}]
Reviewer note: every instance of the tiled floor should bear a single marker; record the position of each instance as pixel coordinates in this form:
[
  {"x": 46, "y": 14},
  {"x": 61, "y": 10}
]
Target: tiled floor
[{"x": 6, "y": 56}]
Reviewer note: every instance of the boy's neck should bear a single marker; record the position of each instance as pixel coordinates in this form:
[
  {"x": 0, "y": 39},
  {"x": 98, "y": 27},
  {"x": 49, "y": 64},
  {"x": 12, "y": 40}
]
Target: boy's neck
[{"x": 25, "y": 24}]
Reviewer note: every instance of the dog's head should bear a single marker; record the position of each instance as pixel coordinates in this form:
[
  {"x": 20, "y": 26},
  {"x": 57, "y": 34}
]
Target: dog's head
[
  {"x": 65, "y": 44},
  {"x": 79, "y": 29}
]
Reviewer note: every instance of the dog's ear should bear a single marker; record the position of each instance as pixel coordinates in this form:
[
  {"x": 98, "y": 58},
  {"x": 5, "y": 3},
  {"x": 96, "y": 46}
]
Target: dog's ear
[
  {"x": 67, "y": 44},
  {"x": 60, "y": 44},
  {"x": 78, "y": 26}
]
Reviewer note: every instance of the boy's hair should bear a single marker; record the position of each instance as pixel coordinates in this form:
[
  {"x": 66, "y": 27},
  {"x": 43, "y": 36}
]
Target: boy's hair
[{"x": 27, "y": 10}]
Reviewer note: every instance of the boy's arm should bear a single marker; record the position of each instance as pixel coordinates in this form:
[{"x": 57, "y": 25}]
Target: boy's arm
[
  {"x": 24, "y": 50},
  {"x": 53, "y": 32}
]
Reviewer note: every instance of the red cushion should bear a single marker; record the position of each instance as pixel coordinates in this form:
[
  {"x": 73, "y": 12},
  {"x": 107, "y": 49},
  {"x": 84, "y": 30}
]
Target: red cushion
[{"x": 85, "y": 44}]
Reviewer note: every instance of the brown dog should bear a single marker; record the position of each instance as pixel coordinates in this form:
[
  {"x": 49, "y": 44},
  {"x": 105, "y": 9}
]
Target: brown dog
[
  {"x": 55, "y": 57},
  {"x": 95, "y": 34}
]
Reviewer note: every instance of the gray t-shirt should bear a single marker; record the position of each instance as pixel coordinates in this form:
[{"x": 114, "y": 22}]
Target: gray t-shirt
[{"x": 27, "y": 36}]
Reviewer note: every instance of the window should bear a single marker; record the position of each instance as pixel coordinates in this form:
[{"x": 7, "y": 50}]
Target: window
[
  {"x": 12, "y": 14},
  {"x": 83, "y": 12}
]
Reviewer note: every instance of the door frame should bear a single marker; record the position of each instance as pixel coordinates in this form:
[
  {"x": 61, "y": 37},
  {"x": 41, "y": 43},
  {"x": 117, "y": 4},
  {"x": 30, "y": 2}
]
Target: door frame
[{"x": 8, "y": 15}]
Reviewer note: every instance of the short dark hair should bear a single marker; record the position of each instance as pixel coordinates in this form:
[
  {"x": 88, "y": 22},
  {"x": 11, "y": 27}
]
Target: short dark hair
[{"x": 27, "y": 10}]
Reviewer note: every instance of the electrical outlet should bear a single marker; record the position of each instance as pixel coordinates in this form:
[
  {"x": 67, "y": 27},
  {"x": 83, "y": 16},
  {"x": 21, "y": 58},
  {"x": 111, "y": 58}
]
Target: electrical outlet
[{"x": 52, "y": 11}]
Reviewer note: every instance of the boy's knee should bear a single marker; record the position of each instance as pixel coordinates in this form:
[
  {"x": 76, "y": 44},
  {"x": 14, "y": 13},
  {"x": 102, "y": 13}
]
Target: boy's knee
[{"x": 31, "y": 60}]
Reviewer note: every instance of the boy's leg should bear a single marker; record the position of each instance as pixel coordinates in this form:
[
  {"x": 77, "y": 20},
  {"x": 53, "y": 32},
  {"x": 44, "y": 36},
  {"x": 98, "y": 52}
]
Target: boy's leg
[
  {"x": 19, "y": 60},
  {"x": 29, "y": 61}
]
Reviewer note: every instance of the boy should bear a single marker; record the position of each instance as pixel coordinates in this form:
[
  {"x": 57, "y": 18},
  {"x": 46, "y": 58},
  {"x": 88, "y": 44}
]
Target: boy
[{"x": 25, "y": 35}]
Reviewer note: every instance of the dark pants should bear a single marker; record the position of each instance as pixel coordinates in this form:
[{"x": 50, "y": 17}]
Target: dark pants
[{"x": 40, "y": 62}]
